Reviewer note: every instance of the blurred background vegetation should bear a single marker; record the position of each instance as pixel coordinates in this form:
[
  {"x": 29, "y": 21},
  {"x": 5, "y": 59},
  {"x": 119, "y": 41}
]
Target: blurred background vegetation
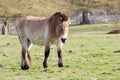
[
  {"x": 12, "y": 10},
  {"x": 18, "y": 8}
]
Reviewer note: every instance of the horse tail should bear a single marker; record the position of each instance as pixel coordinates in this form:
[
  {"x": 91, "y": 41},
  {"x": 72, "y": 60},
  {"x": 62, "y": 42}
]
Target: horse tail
[{"x": 16, "y": 27}]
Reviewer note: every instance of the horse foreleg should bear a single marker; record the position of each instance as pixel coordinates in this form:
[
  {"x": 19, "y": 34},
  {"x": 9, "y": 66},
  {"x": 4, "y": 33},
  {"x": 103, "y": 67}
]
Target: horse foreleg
[
  {"x": 24, "y": 60},
  {"x": 47, "y": 51},
  {"x": 59, "y": 52}
]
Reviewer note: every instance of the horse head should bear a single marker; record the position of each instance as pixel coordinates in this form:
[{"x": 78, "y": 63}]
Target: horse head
[{"x": 62, "y": 27}]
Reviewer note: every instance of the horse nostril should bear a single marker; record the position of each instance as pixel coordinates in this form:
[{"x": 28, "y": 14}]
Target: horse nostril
[{"x": 63, "y": 40}]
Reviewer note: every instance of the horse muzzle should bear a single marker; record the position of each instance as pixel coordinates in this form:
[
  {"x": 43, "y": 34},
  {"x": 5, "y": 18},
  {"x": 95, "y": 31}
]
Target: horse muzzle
[{"x": 63, "y": 40}]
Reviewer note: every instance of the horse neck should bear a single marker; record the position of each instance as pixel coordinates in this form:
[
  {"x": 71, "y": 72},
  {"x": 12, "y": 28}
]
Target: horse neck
[{"x": 52, "y": 27}]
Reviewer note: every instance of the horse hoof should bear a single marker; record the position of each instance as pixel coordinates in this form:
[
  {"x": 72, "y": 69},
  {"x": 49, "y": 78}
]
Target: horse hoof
[
  {"x": 45, "y": 65},
  {"x": 25, "y": 67},
  {"x": 60, "y": 65}
]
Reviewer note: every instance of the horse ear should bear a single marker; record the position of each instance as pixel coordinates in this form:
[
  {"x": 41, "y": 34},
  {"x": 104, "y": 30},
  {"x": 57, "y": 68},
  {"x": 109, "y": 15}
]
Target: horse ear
[{"x": 58, "y": 13}]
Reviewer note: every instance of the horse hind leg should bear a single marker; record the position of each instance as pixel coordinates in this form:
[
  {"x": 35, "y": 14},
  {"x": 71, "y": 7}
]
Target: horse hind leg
[
  {"x": 29, "y": 45},
  {"x": 26, "y": 58}
]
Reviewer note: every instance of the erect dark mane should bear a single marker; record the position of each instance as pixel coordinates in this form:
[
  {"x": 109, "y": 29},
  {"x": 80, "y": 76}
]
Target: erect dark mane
[{"x": 60, "y": 16}]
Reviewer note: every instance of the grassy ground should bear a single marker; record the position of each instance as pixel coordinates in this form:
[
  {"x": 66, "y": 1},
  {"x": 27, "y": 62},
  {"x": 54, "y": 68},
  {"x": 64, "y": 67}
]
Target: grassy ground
[{"x": 89, "y": 54}]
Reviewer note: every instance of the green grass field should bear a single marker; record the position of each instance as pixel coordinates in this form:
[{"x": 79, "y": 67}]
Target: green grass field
[{"x": 89, "y": 54}]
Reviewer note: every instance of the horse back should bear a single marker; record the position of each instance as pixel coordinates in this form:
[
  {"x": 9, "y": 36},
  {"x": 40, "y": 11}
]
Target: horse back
[{"x": 33, "y": 28}]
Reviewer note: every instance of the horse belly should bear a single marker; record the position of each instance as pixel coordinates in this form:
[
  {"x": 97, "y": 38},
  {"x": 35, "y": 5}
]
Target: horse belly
[{"x": 37, "y": 39}]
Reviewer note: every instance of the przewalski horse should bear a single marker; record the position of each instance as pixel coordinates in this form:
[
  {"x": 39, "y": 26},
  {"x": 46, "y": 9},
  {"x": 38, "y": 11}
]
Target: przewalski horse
[{"x": 42, "y": 31}]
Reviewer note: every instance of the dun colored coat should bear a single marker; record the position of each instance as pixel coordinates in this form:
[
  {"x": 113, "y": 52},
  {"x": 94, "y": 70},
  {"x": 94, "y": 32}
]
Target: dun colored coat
[{"x": 42, "y": 31}]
